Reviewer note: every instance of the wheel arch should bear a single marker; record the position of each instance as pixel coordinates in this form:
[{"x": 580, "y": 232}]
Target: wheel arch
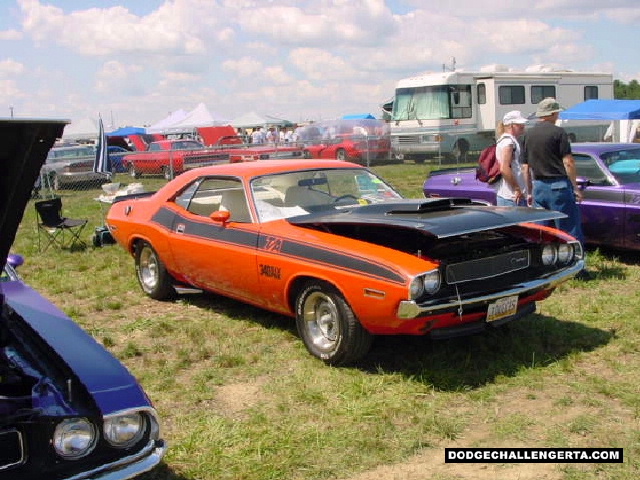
[{"x": 297, "y": 284}]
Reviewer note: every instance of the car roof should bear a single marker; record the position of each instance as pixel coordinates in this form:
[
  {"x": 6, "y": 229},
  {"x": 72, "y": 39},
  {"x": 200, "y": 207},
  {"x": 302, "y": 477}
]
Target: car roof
[
  {"x": 601, "y": 147},
  {"x": 265, "y": 167}
]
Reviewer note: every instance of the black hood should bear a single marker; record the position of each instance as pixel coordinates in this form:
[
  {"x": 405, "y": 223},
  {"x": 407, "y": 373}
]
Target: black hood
[
  {"x": 24, "y": 145},
  {"x": 443, "y": 217}
]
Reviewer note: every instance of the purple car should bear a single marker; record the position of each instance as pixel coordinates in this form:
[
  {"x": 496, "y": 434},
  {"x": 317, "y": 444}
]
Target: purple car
[
  {"x": 608, "y": 174},
  {"x": 68, "y": 408}
]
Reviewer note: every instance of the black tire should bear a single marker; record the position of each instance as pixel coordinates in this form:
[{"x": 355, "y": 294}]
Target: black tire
[
  {"x": 328, "y": 327},
  {"x": 341, "y": 154},
  {"x": 133, "y": 172},
  {"x": 152, "y": 274},
  {"x": 166, "y": 173}
]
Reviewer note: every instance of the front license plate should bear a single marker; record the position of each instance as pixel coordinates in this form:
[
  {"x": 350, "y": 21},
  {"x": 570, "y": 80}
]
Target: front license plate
[{"x": 503, "y": 307}]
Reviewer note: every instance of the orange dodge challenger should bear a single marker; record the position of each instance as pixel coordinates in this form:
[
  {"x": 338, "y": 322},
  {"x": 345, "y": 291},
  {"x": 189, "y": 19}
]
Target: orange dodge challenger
[{"x": 331, "y": 244}]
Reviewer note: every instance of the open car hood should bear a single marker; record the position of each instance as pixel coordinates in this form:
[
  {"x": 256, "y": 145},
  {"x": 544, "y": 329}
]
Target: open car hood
[
  {"x": 24, "y": 145},
  {"x": 441, "y": 217}
]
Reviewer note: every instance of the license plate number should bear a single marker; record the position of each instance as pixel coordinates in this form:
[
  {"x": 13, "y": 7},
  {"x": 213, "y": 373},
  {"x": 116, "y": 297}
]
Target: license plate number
[{"x": 501, "y": 308}]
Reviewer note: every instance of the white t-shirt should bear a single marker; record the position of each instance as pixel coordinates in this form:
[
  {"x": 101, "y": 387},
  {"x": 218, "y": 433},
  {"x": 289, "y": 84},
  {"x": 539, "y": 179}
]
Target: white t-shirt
[{"x": 503, "y": 189}]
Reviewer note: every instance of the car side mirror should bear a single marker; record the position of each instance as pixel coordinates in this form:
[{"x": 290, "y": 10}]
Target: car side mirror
[
  {"x": 221, "y": 216},
  {"x": 582, "y": 182}
]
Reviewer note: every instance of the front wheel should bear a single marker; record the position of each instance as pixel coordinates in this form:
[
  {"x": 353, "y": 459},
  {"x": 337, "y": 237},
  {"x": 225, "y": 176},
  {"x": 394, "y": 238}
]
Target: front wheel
[
  {"x": 328, "y": 326},
  {"x": 152, "y": 274}
]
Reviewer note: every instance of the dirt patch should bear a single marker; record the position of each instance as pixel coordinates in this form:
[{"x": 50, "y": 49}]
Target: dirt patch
[{"x": 232, "y": 400}]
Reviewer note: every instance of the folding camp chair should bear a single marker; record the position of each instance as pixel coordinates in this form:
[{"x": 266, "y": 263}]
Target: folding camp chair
[{"x": 55, "y": 227}]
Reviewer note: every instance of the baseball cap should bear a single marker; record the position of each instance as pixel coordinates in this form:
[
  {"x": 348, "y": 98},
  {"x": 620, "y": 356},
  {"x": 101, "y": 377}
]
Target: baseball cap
[
  {"x": 514, "y": 116},
  {"x": 548, "y": 106}
]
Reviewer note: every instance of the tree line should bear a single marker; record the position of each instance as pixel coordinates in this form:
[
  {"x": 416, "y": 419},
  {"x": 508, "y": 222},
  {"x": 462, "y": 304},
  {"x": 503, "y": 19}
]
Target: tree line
[{"x": 626, "y": 91}]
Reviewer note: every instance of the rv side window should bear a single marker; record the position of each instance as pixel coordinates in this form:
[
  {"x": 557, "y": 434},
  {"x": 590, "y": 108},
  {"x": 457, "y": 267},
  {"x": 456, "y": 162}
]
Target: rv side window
[
  {"x": 482, "y": 94},
  {"x": 511, "y": 95},
  {"x": 590, "y": 92},
  {"x": 540, "y": 92}
]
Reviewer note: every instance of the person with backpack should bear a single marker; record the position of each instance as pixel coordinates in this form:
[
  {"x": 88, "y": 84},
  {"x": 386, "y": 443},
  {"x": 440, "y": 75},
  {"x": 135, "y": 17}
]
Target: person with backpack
[{"x": 511, "y": 188}]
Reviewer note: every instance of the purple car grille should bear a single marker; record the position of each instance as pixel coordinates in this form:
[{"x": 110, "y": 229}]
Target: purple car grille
[
  {"x": 11, "y": 451},
  {"x": 487, "y": 267}
]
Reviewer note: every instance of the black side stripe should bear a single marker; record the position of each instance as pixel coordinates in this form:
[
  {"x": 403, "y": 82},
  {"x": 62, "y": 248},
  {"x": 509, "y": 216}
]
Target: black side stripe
[{"x": 290, "y": 248}]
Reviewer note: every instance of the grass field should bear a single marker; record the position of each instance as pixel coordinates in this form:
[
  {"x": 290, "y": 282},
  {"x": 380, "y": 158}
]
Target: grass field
[{"x": 240, "y": 398}]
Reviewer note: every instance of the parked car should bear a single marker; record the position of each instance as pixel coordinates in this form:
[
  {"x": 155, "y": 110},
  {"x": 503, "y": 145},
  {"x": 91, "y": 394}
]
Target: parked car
[
  {"x": 116, "y": 153},
  {"x": 68, "y": 408},
  {"x": 332, "y": 245},
  {"x": 71, "y": 166},
  {"x": 238, "y": 151},
  {"x": 607, "y": 173},
  {"x": 360, "y": 141},
  {"x": 171, "y": 157}
]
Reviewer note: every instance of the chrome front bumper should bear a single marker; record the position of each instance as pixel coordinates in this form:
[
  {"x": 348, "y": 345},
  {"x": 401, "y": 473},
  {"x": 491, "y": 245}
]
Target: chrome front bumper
[{"x": 410, "y": 309}]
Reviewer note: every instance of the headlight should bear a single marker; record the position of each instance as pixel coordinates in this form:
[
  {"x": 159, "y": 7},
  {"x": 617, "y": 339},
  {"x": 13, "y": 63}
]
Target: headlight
[
  {"x": 431, "y": 281},
  {"x": 124, "y": 430},
  {"x": 565, "y": 253},
  {"x": 74, "y": 438},
  {"x": 416, "y": 288},
  {"x": 428, "y": 282},
  {"x": 549, "y": 254}
]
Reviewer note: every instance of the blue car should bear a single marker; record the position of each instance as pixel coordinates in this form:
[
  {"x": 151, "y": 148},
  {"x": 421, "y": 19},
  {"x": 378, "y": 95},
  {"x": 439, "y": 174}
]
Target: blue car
[
  {"x": 115, "y": 154},
  {"x": 68, "y": 408}
]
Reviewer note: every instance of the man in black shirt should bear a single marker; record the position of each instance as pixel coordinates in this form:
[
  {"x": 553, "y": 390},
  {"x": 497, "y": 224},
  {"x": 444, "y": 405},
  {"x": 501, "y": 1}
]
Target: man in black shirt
[{"x": 550, "y": 170}]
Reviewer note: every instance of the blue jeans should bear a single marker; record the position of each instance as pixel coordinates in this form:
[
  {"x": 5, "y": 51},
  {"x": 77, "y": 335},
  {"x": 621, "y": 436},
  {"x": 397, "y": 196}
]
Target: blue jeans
[
  {"x": 558, "y": 195},
  {"x": 506, "y": 202}
]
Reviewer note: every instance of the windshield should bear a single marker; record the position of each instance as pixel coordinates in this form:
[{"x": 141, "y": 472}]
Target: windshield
[
  {"x": 298, "y": 193},
  {"x": 624, "y": 164},
  {"x": 432, "y": 102}
]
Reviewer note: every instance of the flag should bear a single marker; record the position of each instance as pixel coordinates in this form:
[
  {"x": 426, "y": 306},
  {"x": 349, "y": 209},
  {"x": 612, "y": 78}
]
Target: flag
[{"x": 102, "y": 162}]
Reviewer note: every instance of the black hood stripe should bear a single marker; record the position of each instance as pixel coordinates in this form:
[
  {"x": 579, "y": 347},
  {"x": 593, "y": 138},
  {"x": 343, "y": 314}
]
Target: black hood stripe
[{"x": 169, "y": 219}]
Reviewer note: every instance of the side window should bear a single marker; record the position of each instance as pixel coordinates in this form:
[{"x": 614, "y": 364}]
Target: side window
[
  {"x": 154, "y": 147},
  {"x": 590, "y": 92},
  {"x": 212, "y": 194},
  {"x": 587, "y": 167},
  {"x": 482, "y": 93},
  {"x": 511, "y": 94},
  {"x": 540, "y": 92}
]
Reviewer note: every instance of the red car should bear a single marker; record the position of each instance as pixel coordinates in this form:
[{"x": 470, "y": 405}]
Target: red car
[
  {"x": 171, "y": 157},
  {"x": 332, "y": 245},
  {"x": 361, "y": 142}
]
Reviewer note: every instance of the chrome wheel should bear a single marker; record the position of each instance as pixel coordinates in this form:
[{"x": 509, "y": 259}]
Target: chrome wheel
[
  {"x": 152, "y": 274},
  {"x": 148, "y": 269},
  {"x": 321, "y": 318}
]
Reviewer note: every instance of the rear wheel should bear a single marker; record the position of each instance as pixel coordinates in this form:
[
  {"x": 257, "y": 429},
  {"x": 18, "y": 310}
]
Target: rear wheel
[
  {"x": 152, "y": 274},
  {"x": 328, "y": 326},
  {"x": 166, "y": 173},
  {"x": 341, "y": 154}
]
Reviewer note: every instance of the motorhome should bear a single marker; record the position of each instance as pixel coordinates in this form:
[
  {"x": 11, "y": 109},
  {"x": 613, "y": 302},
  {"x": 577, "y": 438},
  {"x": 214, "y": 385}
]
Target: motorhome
[{"x": 454, "y": 113}]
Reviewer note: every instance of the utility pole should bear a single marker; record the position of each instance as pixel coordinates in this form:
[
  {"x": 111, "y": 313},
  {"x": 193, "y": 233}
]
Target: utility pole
[{"x": 11, "y": 110}]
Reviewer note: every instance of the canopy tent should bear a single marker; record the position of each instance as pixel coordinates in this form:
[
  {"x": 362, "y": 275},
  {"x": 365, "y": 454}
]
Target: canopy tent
[
  {"x": 603, "y": 110},
  {"x": 626, "y": 112},
  {"x": 252, "y": 120},
  {"x": 81, "y": 130},
  {"x": 359, "y": 116},
  {"x": 124, "y": 131},
  {"x": 171, "y": 119},
  {"x": 198, "y": 117}
]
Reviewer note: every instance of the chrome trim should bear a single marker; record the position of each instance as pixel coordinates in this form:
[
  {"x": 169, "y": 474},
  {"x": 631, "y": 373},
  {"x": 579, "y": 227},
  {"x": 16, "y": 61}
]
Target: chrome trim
[
  {"x": 21, "y": 445},
  {"x": 410, "y": 309},
  {"x": 127, "y": 467}
]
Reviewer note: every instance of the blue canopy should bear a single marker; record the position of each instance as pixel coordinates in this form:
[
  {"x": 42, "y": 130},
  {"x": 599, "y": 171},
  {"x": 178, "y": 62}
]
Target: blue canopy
[
  {"x": 359, "y": 116},
  {"x": 124, "y": 131},
  {"x": 603, "y": 110}
]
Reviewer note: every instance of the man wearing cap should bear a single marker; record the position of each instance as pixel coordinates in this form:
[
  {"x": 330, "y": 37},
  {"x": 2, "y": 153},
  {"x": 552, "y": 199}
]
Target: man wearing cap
[
  {"x": 511, "y": 189},
  {"x": 550, "y": 169}
]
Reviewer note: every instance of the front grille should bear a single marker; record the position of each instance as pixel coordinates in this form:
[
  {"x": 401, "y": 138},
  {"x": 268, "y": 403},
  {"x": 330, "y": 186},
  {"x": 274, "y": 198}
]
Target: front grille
[
  {"x": 205, "y": 158},
  {"x": 408, "y": 139},
  {"x": 11, "y": 449},
  {"x": 487, "y": 267}
]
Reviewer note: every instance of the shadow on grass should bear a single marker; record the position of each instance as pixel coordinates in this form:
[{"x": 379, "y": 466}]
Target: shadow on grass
[
  {"x": 536, "y": 341},
  {"x": 162, "y": 472}
]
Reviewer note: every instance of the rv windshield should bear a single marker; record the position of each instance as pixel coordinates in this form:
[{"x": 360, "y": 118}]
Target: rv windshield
[{"x": 432, "y": 102}]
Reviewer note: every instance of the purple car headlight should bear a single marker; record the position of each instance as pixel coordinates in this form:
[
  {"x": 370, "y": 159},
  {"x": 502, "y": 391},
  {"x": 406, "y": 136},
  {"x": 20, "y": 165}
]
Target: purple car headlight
[{"x": 74, "y": 438}]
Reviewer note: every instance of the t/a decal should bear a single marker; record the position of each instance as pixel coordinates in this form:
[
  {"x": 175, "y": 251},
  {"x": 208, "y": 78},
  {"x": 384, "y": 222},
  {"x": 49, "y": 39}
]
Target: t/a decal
[
  {"x": 270, "y": 271},
  {"x": 273, "y": 244}
]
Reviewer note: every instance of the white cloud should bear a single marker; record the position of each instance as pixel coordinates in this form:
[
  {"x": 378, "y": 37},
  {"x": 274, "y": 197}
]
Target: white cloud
[
  {"x": 10, "y": 67},
  {"x": 117, "y": 77},
  {"x": 10, "y": 35},
  {"x": 243, "y": 67}
]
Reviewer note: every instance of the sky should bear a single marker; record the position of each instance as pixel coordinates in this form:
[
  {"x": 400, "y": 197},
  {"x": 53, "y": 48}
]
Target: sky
[{"x": 133, "y": 62}]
